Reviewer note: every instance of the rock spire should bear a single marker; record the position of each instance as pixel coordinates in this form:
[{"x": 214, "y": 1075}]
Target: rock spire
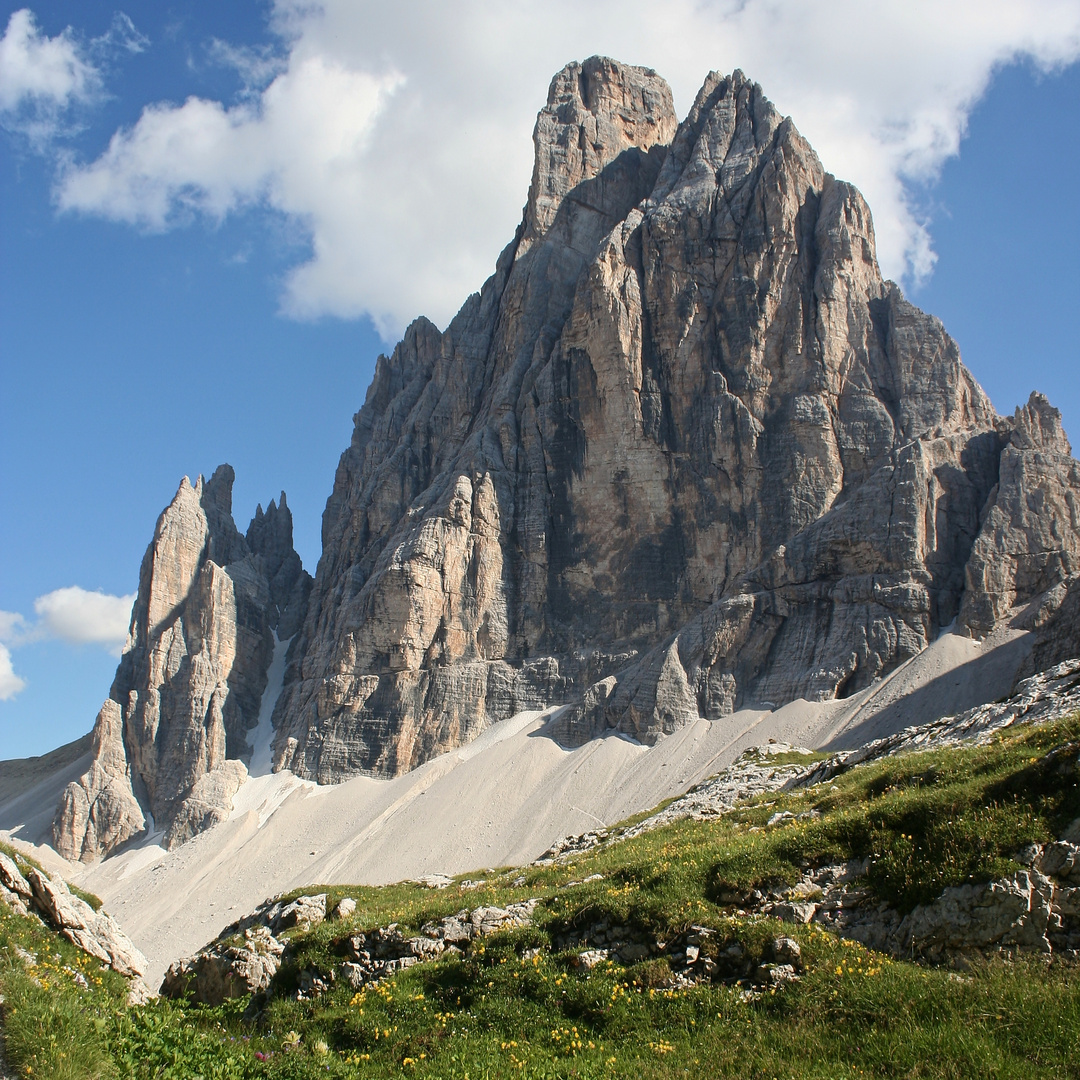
[{"x": 169, "y": 740}]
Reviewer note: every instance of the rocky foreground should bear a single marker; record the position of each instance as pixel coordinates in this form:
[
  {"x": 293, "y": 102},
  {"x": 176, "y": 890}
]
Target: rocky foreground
[
  {"x": 921, "y": 890},
  {"x": 95, "y": 932}
]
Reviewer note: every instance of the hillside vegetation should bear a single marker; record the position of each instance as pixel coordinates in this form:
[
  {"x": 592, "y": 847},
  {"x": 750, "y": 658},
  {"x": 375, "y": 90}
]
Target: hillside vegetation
[{"x": 523, "y": 1004}]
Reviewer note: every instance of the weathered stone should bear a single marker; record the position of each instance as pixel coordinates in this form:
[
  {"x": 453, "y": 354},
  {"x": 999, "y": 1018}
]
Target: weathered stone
[
  {"x": 775, "y": 974},
  {"x": 590, "y": 958},
  {"x": 1061, "y": 860},
  {"x": 344, "y": 908},
  {"x": 226, "y": 969},
  {"x": 12, "y": 879},
  {"x": 138, "y": 992},
  {"x": 93, "y": 931},
  {"x": 793, "y": 911},
  {"x": 1012, "y": 911},
  {"x": 304, "y": 911},
  {"x": 355, "y": 974},
  {"x": 190, "y": 680},
  {"x": 14, "y": 901},
  {"x": 786, "y": 950},
  {"x": 207, "y": 803}
]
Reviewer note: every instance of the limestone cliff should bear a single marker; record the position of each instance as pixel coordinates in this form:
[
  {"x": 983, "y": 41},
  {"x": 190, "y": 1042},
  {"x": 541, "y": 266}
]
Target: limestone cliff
[
  {"x": 685, "y": 450},
  {"x": 169, "y": 739}
]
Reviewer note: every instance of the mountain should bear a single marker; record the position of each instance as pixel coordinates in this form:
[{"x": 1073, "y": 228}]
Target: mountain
[{"x": 685, "y": 453}]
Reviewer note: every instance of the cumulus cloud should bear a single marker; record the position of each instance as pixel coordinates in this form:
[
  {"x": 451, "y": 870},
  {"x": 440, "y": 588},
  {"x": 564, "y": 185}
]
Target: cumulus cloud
[
  {"x": 12, "y": 630},
  {"x": 84, "y": 617},
  {"x": 34, "y": 67},
  {"x": 398, "y": 134},
  {"x": 41, "y": 76},
  {"x": 74, "y": 615},
  {"x": 10, "y": 683}
]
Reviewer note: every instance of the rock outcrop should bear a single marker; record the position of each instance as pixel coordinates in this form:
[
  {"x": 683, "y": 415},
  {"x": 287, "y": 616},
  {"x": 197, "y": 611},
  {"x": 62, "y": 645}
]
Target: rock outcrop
[
  {"x": 686, "y": 450},
  {"x": 169, "y": 740},
  {"x": 95, "y": 932},
  {"x": 226, "y": 969},
  {"x": 246, "y": 956}
]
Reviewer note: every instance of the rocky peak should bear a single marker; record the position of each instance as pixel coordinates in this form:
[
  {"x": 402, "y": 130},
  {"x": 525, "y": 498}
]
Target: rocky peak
[
  {"x": 729, "y": 126},
  {"x": 217, "y": 492},
  {"x": 197, "y": 525},
  {"x": 1037, "y": 426},
  {"x": 270, "y": 536},
  {"x": 168, "y": 741},
  {"x": 598, "y": 112}
]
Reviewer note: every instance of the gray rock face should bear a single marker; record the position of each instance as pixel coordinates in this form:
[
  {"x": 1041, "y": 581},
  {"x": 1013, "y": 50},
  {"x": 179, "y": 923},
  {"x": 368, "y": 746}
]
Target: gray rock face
[
  {"x": 188, "y": 687},
  {"x": 1011, "y": 911},
  {"x": 93, "y": 931},
  {"x": 1029, "y": 542},
  {"x": 686, "y": 450}
]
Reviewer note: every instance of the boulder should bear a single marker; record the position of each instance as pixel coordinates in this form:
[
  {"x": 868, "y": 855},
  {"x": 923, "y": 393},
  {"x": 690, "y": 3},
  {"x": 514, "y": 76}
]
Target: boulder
[
  {"x": 227, "y": 969},
  {"x": 94, "y": 932}
]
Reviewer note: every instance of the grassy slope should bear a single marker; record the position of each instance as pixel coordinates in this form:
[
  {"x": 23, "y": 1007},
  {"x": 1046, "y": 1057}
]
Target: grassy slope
[{"x": 924, "y": 821}]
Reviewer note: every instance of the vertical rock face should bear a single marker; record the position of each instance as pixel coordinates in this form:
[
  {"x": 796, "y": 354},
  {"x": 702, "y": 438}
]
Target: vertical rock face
[
  {"x": 189, "y": 683},
  {"x": 1030, "y": 536},
  {"x": 685, "y": 450}
]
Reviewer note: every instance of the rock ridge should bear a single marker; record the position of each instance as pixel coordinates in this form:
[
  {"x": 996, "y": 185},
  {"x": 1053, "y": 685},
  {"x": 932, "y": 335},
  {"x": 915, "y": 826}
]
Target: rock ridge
[{"x": 27, "y": 889}]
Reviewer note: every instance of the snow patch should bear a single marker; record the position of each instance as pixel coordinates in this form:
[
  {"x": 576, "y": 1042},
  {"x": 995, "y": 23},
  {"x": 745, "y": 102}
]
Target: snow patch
[{"x": 262, "y": 737}]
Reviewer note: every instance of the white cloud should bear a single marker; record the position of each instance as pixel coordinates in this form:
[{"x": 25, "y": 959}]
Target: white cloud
[
  {"x": 121, "y": 35},
  {"x": 75, "y": 615},
  {"x": 40, "y": 72},
  {"x": 12, "y": 627},
  {"x": 80, "y": 616},
  {"x": 398, "y": 134},
  {"x": 10, "y": 683},
  {"x": 42, "y": 78}
]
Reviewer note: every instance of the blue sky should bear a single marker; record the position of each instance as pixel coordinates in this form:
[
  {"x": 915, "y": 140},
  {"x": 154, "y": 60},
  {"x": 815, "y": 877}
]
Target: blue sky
[{"x": 205, "y": 244}]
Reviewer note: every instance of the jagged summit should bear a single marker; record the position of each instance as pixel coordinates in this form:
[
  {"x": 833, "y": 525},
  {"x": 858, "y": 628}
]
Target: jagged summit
[
  {"x": 604, "y": 123},
  {"x": 168, "y": 740},
  {"x": 685, "y": 451}
]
